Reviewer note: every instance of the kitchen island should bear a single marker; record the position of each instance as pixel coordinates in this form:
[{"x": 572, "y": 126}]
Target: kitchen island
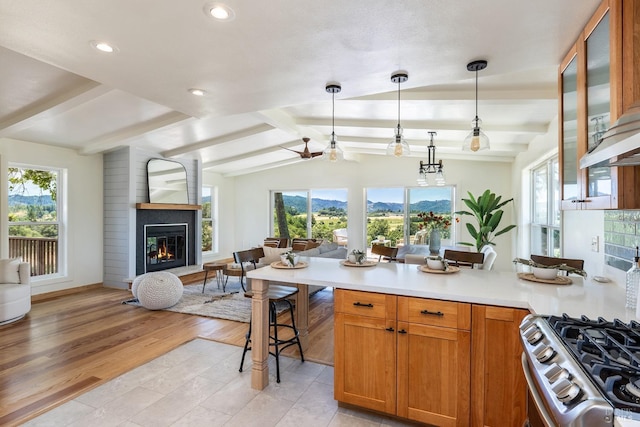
[{"x": 493, "y": 301}]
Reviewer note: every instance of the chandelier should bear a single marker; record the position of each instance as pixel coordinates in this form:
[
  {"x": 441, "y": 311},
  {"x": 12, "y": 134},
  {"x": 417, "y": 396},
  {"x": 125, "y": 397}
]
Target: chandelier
[{"x": 431, "y": 166}]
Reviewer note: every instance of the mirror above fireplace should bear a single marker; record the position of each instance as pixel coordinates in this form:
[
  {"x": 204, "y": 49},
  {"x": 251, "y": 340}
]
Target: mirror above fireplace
[{"x": 167, "y": 181}]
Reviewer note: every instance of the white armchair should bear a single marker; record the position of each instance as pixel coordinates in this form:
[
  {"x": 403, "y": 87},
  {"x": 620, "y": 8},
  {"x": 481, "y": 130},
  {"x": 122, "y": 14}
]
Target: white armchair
[
  {"x": 15, "y": 290},
  {"x": 489, "y": 257},
  {"x": 340, "y": 236}
]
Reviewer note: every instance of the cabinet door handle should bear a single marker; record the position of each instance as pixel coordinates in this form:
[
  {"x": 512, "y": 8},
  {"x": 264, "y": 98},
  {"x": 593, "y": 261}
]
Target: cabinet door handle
[
  {"x": 359, "y": 304},
  {"x": 432, "y": 313},
  {"x": 402, "y": 331},
  {"x": 389, "y": 329}
]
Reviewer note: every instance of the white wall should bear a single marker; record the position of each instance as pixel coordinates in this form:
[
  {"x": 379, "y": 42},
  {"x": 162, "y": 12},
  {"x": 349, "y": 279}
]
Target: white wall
[
  {"x": 252, "y": 191},
  {"x": 83, "y": 207}
]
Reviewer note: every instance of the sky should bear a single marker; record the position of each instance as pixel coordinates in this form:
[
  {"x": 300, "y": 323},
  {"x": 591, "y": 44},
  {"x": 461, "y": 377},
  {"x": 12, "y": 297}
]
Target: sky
[{"x": 392, "y": 195}]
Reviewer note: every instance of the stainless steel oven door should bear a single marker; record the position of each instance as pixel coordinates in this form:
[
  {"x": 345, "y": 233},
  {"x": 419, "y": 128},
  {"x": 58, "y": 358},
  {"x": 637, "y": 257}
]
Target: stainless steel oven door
[{"x": 538, "y": 415}]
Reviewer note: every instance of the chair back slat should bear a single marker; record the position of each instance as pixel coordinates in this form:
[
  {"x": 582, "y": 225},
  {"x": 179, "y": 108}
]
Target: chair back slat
[
  {"x": 463, "y": 258},
  {"x": 389, "y": 253}
]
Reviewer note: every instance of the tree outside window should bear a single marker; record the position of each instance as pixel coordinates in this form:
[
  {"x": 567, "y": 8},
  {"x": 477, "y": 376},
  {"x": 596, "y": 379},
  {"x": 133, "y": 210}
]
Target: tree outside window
[
  {"x": 34, "y": 218},
  {"x": 208, "y": 205}
]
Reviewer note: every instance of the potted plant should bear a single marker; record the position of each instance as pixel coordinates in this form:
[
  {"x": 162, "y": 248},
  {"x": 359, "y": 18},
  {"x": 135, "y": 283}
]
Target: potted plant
[
  {"x": 542, "y": 271},
  {"x": 289, "y": 258},
  {"x": 357, "y": 256},
  {"x": 486, "y": 210}
]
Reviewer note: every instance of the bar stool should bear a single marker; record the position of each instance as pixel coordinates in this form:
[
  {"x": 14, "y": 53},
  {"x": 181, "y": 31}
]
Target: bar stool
[
  {"x": 275, "y": 294},
  {"x": 216, "y": 267}
]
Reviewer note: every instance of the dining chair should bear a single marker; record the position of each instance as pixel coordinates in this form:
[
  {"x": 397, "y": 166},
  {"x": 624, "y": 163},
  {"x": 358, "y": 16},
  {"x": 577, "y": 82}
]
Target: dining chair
[
  {"x": 389, "y": 253},
  {"x": 251, "y": 256},
  {"x": 463, "y": 258},
  {"x": 490, "y": 255},
  {"x": 547, "y": 260}
]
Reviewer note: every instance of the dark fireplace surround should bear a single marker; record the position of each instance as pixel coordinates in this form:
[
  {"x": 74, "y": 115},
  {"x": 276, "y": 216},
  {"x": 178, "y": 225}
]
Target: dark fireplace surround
[{"x": 176, "y": 233}]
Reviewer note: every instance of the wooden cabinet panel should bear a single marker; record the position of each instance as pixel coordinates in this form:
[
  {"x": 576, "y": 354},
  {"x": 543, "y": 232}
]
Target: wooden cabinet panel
[
  {"x": 447, "y": 314},
  {"x": 365, "y": 361},
  {"x": 498, "y": 386},
  {"x": 369, "y": 304},
  {"x": 433, "y": 374}
]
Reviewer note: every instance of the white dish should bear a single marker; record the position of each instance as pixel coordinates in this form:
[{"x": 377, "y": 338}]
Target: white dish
[
  {"x": 545, "y": 273},
  {"x": 601, "y": 279}
]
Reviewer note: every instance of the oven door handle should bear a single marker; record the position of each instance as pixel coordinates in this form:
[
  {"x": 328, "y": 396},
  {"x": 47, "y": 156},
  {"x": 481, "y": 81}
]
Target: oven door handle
[{"x": 537, "y": 399}]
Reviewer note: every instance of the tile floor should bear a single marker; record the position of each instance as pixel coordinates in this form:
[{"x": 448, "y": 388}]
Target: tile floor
[{"x": 198, "y": 384}]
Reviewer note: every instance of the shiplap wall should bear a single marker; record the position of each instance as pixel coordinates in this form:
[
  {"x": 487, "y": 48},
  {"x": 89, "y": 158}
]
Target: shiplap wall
[{"x": 125, "y": 184}]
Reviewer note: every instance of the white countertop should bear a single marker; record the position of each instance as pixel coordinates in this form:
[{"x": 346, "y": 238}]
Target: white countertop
[{"x": 501, "y": 288}]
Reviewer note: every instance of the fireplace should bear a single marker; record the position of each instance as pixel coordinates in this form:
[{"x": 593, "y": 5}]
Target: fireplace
[{"x": 166, "y": 246}]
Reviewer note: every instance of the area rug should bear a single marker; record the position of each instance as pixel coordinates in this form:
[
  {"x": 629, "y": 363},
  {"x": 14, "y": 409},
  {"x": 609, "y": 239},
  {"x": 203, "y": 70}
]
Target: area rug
[{"x": 230, "y": 305}]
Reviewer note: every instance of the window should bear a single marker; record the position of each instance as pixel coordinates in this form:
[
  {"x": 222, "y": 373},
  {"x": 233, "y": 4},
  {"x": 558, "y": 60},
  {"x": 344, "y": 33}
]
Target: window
[
  {"x": 392, "y": 213},
  {"x": 35, "y": 227},
  {"x": 308, "y": 213},
  {"x": 209, "y": 212},
  {"x": 545, "y": 215}
]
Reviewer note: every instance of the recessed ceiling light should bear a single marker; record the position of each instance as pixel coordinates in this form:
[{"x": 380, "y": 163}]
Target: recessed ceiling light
[
  {"x": 219, "y": 11},
  {"x": 103, "y": 46},
  {"x": 197, "y": 92}
]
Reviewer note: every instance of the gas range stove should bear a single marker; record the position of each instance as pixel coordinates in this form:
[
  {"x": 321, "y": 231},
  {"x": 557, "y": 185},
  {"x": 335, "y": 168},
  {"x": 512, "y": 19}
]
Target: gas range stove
[{"x": 582, "y": 372}]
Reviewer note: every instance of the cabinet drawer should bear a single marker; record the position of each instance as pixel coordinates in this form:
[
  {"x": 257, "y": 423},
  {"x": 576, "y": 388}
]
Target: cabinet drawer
[
  {"x": 369, "y": 304},
  {"x": 432, "y": 312}
]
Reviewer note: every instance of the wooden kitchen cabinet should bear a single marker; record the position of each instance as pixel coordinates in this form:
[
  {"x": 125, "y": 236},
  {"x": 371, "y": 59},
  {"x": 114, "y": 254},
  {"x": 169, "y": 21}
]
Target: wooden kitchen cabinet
[
  {"x": 598, "y": 82},
  {"x": 403, "y": 356},
  {"x": 498, "y": 386},
  {"x": 365, "y": 349}
]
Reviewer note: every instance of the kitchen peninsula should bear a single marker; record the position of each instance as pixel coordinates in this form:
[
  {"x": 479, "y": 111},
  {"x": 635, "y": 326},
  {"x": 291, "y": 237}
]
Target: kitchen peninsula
[{"x": 469, "y": 334}]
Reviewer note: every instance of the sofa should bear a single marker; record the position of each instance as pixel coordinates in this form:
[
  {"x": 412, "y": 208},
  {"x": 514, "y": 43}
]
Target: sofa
[{"x": 326, "y": 250}]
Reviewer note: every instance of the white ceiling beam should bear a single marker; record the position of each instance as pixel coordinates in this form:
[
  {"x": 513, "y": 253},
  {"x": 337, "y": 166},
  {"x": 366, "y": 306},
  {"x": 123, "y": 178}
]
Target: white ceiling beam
[
  {"x": 127, "y": 135},
  {"x": 287, "y": 123},
  {"x": 51, "y": 107},
  {"x": 549, "y": 92},
  {"x": 501, "y": 156},
  {"x": 243, "y": 133},
  {"x": 535, "y": 128},
  {"x": 250, "y": 154},
  {"x": 263, "y": 167}
]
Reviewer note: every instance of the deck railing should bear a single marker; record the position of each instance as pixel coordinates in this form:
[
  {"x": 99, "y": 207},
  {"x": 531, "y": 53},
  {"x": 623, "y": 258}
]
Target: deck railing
[{"x": 40, "y": 252}]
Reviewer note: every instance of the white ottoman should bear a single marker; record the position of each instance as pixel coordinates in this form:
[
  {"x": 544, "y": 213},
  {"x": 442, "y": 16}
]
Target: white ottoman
[{"x": 157, "y": 290}]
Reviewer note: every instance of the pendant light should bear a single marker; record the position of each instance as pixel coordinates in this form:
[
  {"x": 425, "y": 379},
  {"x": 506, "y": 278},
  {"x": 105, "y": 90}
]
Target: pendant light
[
  {"x": 333, "y": 152},
  {"x": 399, "y": 147},
  {"x": 476, "y": 140},
  {"x": 431, "y": 166}
]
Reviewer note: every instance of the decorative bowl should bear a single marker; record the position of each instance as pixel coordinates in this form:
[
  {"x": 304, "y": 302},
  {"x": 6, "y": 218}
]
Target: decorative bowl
[
  {"x": 435, "y": 264},
  {"x": 545, "y": 273},
  {"x": 289, "y": 260}
]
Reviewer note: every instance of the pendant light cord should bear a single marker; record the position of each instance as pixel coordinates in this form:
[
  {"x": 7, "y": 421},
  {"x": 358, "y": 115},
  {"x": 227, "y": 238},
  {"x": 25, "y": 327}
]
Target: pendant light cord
[
  {"x": 398, "y": 105},
  {"x": 476, "y": 119}
]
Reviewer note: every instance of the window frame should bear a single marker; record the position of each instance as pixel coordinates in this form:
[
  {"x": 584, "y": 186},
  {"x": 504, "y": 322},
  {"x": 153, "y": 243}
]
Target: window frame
[
  {"x": 553, "y": 220},
  {"x": 60, "y": 222}
]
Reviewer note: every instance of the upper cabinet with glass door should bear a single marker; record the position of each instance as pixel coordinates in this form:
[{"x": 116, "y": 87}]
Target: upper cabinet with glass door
[{"x": 591, "y": 80}]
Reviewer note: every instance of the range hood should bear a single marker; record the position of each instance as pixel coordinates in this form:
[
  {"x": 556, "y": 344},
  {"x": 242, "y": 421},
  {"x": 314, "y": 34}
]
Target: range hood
[{"x": 621, "y": 141}]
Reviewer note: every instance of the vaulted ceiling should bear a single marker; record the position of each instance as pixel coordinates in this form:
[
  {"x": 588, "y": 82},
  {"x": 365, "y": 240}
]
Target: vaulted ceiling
[{"x": 265, "y": 71}]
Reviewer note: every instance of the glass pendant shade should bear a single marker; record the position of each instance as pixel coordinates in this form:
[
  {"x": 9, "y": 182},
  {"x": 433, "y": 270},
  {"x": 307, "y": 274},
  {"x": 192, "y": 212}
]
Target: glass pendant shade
[
  {"x": 440, "y": 181},
  {"x": 398, "y": 147},
  {"x": 422, "y": 179},
  {"x": 333, "y": 152},
  {"x": 476, "y": 140}
]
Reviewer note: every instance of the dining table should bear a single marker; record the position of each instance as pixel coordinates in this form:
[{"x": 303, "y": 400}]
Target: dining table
[{"x": 580, "y": 296}]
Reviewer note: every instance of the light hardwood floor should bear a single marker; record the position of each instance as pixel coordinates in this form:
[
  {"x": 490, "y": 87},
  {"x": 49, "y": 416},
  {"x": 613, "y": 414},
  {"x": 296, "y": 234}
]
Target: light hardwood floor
[{"x": 70, "y": 344}]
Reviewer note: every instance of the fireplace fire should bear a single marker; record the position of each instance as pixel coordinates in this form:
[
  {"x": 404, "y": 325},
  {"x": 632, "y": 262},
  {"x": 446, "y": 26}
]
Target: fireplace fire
[{"x": 166, "y": 246}]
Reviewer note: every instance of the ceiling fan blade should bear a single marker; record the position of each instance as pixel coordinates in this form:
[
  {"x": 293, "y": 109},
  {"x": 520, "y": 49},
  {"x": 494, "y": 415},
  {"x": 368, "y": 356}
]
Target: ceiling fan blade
[
  {"x": 295, "y": 151},
  {"x": 316, "y": 154}
]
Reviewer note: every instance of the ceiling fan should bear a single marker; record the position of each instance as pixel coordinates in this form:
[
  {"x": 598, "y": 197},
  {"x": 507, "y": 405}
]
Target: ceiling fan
[{"x": 306, "y": 154}]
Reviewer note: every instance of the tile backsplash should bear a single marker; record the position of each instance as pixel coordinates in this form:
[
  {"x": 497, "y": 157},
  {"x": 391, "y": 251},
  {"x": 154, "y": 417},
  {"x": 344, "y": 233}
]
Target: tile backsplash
[{"x": 621, "y": 236}]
